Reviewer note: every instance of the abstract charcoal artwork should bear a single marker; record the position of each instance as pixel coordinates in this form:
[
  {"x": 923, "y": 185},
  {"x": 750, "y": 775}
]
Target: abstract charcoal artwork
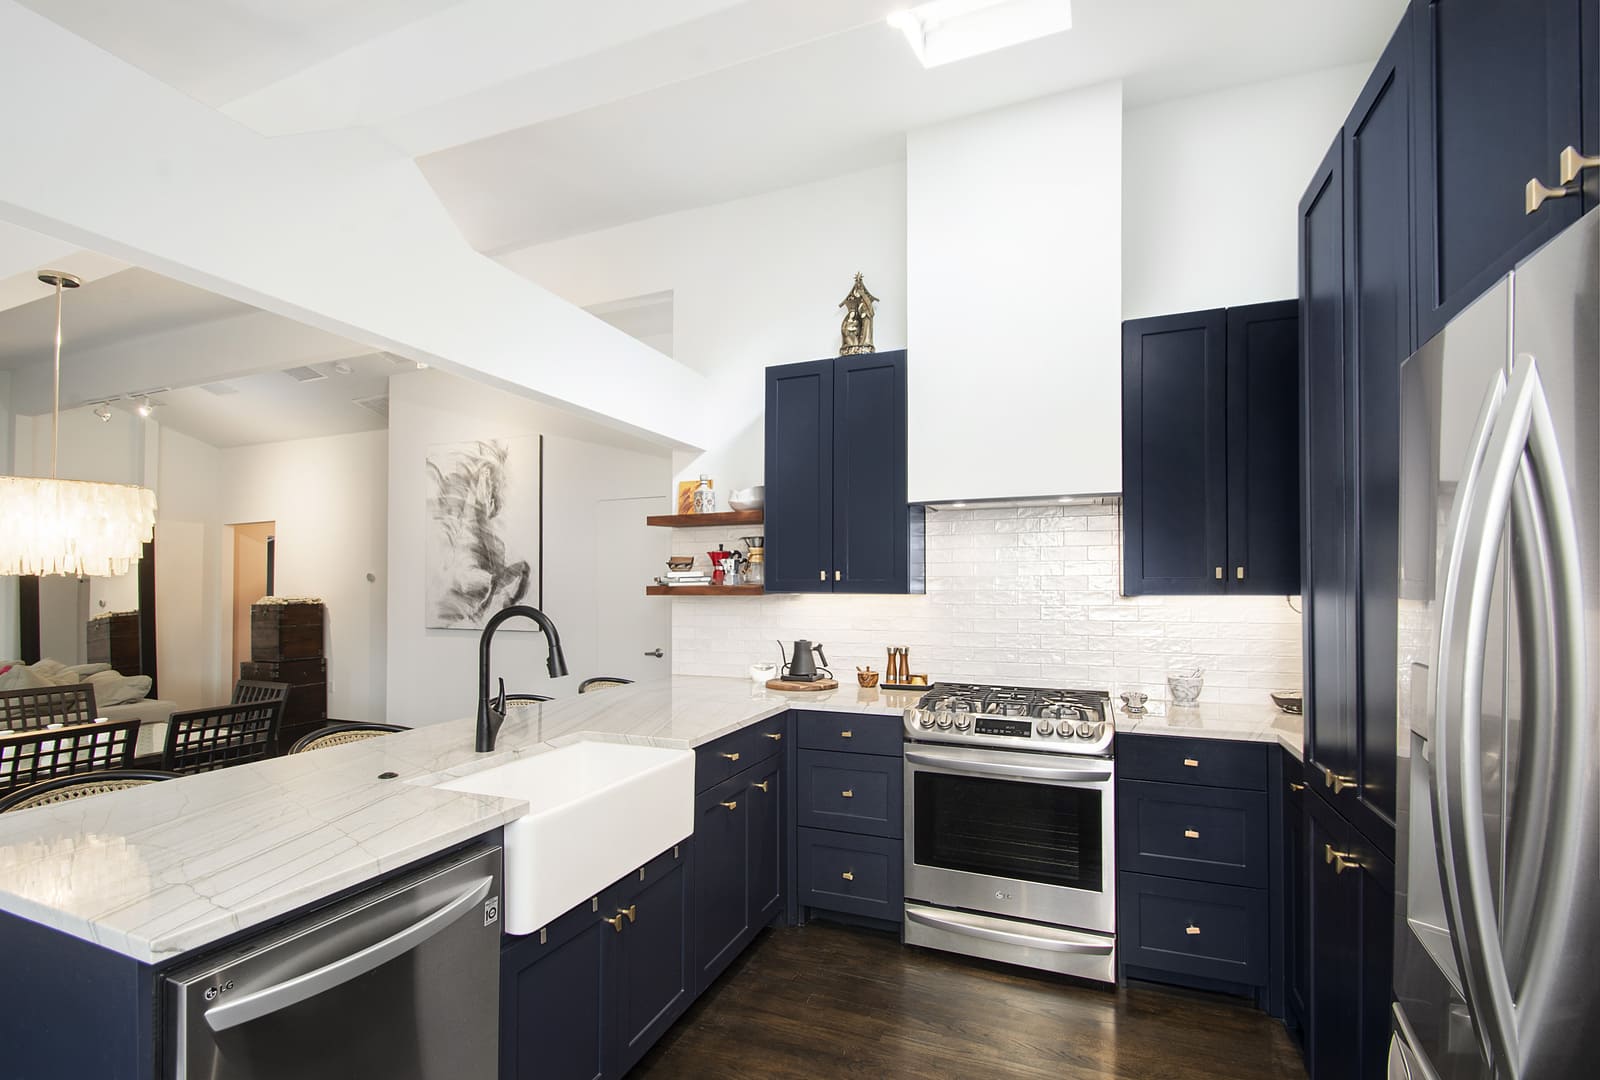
[{"x": 482, "y": 546}]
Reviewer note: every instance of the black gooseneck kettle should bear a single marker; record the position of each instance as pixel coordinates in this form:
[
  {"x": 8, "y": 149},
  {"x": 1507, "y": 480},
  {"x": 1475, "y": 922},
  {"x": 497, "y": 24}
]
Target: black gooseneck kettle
[{"x": 801, "y": 668}]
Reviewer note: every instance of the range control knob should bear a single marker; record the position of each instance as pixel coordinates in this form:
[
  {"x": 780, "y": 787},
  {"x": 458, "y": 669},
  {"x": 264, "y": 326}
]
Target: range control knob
[
  {"x": 1099, "y": 730},
  {"x": 963, "y": 721},
  {"x": 1085, "y": 729},
  {"x": 925, "y": 720},
  {"x": 1044, "y": 727},
  {"x": 943, "y": 721},
  {"x": 1064, "y": 729}
]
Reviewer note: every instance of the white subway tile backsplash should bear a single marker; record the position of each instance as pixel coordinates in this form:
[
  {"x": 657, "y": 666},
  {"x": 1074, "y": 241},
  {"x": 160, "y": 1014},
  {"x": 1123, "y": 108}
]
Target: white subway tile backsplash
[{"x": 1014, "y": 595}]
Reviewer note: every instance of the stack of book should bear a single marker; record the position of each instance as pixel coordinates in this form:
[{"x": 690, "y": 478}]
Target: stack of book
[{"x": 687, "y": 577}]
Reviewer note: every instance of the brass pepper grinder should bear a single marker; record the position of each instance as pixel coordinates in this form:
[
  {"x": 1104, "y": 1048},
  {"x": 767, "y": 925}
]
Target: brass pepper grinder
[{"x": 905, "y": 663}]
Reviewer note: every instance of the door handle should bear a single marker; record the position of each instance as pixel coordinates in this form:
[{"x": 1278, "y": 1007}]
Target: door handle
[
  {"x": 734, "y": 756},
  {"x": 847, "y": 793},
  {"x": 762, "y": 784},
  {"x": 1192, "y": 930},
  {"x": 1336, "y": 782},
  {"x": 615, "y": 921},
  {"x": 848, "y": 875},
  {"x": 731, "y": 804},
  {"x": 259, "y": 1003},
  {"x": 631, "y": 911},
  {"x": 1294, "y": 786},
  {"x": 657, "y": 653},
  {"x": 992, "y": 768},
  {"x": 774, "y": 735},
  {"x": 1339, "y": 860}
]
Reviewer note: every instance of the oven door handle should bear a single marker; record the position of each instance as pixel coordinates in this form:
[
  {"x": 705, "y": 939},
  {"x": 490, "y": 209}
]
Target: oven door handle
[
  {"x": 1017, "y": 770},
  {"x": 971, "y": 926}
]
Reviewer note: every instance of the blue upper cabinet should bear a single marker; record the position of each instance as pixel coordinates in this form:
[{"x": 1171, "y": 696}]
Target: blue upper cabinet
[
  {"x": 837, "y": 518},
  {"x": 1498, "y": 95},
  {"x": 1210, "y": 429}
]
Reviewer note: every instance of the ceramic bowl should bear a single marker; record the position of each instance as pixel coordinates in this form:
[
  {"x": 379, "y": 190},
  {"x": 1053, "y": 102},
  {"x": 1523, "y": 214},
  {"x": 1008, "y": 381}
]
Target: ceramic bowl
[
  {"x": 1289, "y": 701},
  {"x": 681, "y": 562},
  {"x": 867, "y": 678},
  {"x": 750, "y": 498},
  {"x": 760, "y": 673},
  {"x": 1184, "y": 689}
]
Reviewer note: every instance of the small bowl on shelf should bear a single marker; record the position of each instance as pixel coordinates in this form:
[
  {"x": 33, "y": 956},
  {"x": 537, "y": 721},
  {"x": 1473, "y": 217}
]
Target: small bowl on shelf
[
  {"x": 680, "y": 562},
  {"x": 750, "y": 498},
  {"x": 1289, "y": 701}
]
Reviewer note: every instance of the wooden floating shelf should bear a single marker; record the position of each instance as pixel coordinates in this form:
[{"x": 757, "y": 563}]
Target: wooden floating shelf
[
  {"x": 703, "y": 590},
  {"x": 702, "y": 521}
]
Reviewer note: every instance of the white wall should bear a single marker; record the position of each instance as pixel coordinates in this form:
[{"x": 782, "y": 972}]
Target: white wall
[
  {"x": 1014, "y": 247},
  {"x": 432, "y": 674},
  {"x": 329, "y": 498},
  {"x": 1211, "y": 184},
  {"x": 1021, "y": 596},
  {"x": 9, "y": 645},
  {"x": 754, "y": 282},
  {"x": 191, "y": 618}
]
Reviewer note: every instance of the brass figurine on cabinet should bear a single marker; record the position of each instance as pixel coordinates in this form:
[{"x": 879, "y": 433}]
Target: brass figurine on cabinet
[{"x": 858, "y": 316}]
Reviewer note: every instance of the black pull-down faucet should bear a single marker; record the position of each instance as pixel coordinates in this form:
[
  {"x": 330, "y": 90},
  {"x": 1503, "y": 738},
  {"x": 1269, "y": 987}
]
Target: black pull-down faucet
[{"x": 491, "y": 714}]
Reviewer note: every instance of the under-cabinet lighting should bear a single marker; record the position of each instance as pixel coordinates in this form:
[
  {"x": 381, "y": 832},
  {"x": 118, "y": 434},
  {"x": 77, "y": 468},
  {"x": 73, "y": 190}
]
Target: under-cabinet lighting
[{"x": 944, "y": 31}]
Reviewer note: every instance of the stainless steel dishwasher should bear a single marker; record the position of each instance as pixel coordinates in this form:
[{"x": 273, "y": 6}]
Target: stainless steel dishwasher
[{"x": 402, "y": 982}]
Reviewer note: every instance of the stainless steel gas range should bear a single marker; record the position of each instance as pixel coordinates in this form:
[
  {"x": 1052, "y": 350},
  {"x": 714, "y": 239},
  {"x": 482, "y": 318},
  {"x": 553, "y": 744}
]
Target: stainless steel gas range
[{"x": 1010, "y": 826}]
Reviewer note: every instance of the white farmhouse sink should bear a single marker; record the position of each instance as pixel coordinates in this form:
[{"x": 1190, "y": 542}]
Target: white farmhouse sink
[{"x": 596, "y": 812}]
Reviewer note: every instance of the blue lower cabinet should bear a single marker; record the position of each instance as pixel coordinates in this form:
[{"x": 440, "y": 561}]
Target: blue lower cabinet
[
  {"x": 854, "y": 874},
  {"x": 1204, "y": 834},
  {"x": 738, "y": 872},
  {"x": 585, "y": 997},
  {"x": 858, "y": 793},
  {"x": 1193, "y": 928},
  {"x": 764, "y": 847}
]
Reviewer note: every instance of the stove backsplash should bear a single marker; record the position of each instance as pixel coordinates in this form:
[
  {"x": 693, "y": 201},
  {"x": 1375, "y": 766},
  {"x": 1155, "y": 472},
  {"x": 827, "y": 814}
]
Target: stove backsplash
[{"x": 1018, "y": 595}]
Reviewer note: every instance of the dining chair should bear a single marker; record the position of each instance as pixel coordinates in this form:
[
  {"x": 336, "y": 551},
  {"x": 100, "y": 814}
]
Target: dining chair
[
  {"x": 80, "y": 786},
  {"x": 600, "y": 682},
  {"x": 29, "y": 757},
  {"x": 36, "y": 707},
  {"x": 341, "y": 734},
  {"x": 250, "y": 691},
  {"x": 200, "y": 740}
]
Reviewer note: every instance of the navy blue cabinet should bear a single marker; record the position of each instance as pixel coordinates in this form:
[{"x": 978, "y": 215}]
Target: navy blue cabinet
[
  {"x": 1209, "y": 430},
  {"x": 1498, "y": 95},
  {"x": 837, "y": 519},
  {"x": 586, "y": 996},
  {"x": 1296, "y": 904}
]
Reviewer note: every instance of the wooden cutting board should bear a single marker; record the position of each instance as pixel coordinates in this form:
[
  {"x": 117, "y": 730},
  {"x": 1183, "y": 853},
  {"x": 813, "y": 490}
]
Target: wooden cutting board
[{"x": 785, "y": 684}]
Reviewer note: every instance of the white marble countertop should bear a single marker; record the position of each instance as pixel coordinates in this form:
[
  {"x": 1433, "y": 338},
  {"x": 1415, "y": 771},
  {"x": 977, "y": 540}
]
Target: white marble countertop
[
  {"x": 167, "y": 869},
  {"x": 159, "y": 871},
  {"x": 1237, "y": 723}
]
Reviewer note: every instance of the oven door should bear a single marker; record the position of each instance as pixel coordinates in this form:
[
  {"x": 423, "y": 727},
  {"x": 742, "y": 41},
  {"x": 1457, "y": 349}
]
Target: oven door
[{"x": 1021, "y": 834}]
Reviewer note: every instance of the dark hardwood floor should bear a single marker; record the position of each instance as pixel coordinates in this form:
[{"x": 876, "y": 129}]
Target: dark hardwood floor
[{"x": 829, "y": 1001}]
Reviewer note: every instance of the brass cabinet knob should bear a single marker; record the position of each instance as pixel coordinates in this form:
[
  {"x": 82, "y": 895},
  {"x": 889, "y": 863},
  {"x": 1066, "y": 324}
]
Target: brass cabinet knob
[
  {"x": 731, "y": 804},
  {"x": 1573, "y": 163},
  {"x": 1535, "y": 194},
  {"x": 822, "y": 575},
  {"x": 1294, "y": 786},
  {"x": 1238, "y": 572},
  {"x": 762, "y": 784},
  {"x": 1219, "y": 573},
  {"x": 631, "y": 911},
  {"x": 1336, "y": 781},
  {"x": 615, "y": 921},
  {"x": 848, "y": 793},
  {"x": 730, "y": 757},
  {"x": 1191, "y": 930},
  {"x": 773, "y": 735},
  {"x": 837, "y": 576},
  {"x": 1339, "y": 860},
  {"x": 1192, "y": 763},
  {"x": 848, "y": 875},
  {"x": 847, "y": 734},
  {"x": 1191, "y": 834}
]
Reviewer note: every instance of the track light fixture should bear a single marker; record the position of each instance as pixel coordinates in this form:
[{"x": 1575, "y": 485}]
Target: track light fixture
[{"x": 103, "y": 412}]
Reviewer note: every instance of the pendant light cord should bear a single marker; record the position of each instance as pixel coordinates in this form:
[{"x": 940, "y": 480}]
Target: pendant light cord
[{"x": 55, "y": 412}]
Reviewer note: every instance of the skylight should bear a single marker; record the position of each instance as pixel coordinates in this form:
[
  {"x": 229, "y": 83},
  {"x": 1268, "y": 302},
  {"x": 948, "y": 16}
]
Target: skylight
[{"x": 944, "y": 31}]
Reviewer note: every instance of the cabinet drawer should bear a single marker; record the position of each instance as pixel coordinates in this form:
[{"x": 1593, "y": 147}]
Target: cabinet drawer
[
  {"x": 859, "y": 875},
  {"x": 850, "y": 733},
  {"x": 1193, "y": 928},
  {"x": 1204, "y": 834},
  {"x": 1209, "y": 762},
  {"x": 715, "y": 762},
  {"x": 858, "y": 793}
]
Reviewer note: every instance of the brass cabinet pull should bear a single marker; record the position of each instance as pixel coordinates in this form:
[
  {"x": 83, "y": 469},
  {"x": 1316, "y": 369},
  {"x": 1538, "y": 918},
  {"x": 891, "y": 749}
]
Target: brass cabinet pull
[
  {"x": 837, "y": 576},
  {"x": 1192, "y": 763},
  {"x": 848, "y": 875},
  {"x": 1535, "y": 194},
  {"x": 1293, "y": 786},
  {"x": 1339, "y": 860},
  {"x": 631, "y": 911},
  {"x": 1192, "y": 834},
  {"x": 615, "y": 921},
  {"x": 1337, "y": 782},
  {"x": 762, "y": 784},
  {"x": 773, "y": 735},
  {"x": 731, "y": 804},
  {"x": 822, "y": 575},
  {"x": 1219, "y": 573},
  {"x": 1238, "y": 572},
  {"x": 1573, "y": 163},
  {"x": 730, "y": 757},
  {"x": 848, "y": 793},
  {"x": 1192, "y": 929},
  {"x": 847, "y": 734}
]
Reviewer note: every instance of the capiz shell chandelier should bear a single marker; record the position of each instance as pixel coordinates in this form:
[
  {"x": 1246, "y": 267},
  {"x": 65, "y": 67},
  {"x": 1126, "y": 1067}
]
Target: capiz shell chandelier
[{"x": 78, "y": 527}]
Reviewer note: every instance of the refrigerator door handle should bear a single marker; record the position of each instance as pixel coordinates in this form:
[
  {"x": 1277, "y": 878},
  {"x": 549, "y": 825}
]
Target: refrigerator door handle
[{"x": 1523, "y": 431}]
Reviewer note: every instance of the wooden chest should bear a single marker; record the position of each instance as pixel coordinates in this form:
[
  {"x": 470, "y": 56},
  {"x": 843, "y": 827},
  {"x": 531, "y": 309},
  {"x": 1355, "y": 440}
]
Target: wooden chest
[
  {"x": 285, "y": 631},
  {"x": 114, "y": 640}
]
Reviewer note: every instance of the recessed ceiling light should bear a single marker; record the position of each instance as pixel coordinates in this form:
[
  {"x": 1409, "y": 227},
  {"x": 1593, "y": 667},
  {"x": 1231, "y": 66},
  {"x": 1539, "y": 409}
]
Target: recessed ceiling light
[{"x": 943, "y": 31}]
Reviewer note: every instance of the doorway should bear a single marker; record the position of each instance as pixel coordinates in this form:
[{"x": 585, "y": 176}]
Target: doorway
[
  {"x": 633, "y": 632},
  {"x": 254, "y": 574}
]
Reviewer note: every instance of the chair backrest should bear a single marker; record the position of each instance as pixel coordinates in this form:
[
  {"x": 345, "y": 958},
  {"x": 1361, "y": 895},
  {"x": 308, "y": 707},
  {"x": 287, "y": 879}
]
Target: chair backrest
[
  {"x": 339, "y": 734},
  {"x": 28, "y": 757},
  {"x": 250, "y": 691},
  {"x": 525, "y": 699},
  {"x": 600, "y": 682},
  {"x": 21, "y": 710},
  {"x": 199, "y": 740},
  {"x": 66, "y": 788}
]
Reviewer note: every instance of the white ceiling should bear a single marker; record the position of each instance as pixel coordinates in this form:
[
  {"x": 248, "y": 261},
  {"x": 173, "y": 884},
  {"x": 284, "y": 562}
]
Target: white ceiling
[{"x": 538, "y": 121}]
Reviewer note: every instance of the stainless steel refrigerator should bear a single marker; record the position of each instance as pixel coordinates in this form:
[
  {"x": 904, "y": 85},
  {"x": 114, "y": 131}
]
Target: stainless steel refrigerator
[{"x": 1497, "y": 929}]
